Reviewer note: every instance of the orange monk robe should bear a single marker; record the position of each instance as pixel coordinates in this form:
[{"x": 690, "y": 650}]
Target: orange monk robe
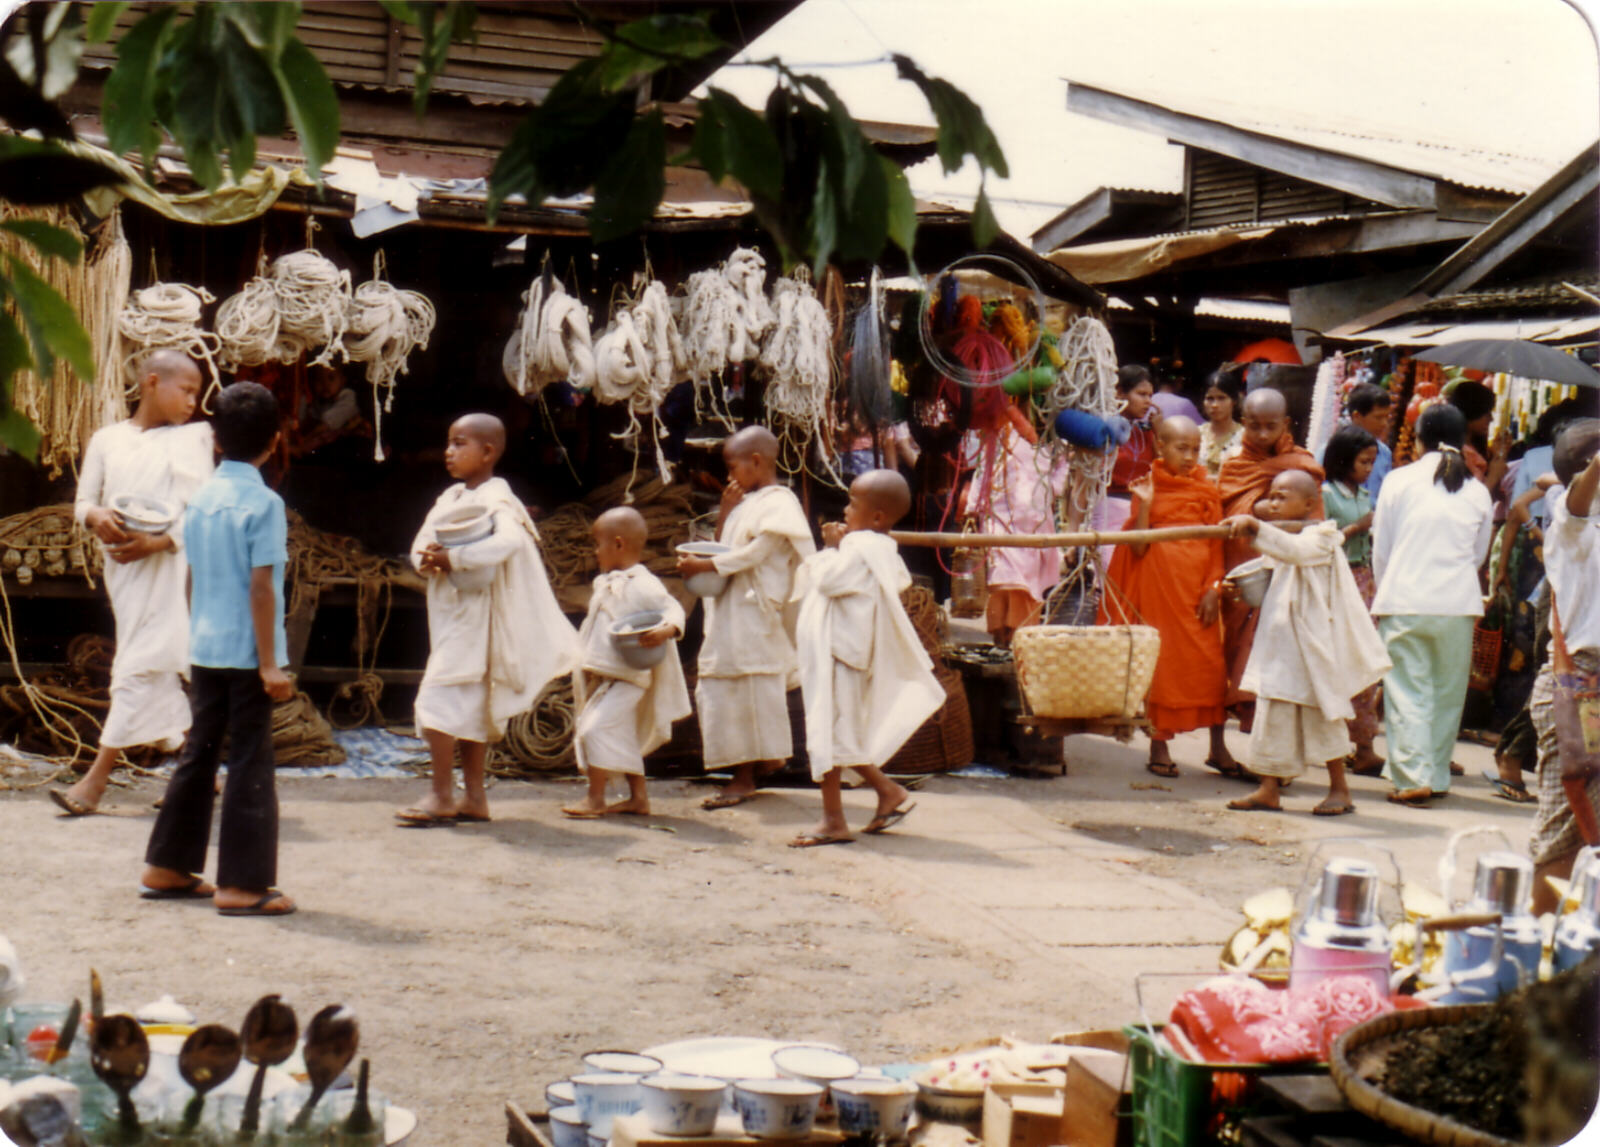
[
  {"x": 1246, "y": 477},
  {"x": 1165, "y": 587}
]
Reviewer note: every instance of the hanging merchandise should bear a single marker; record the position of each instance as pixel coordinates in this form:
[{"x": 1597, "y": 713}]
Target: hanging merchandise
[
  {"x": 869, "y": 384},
  {"x": 799, "y": 360},
  {"x": 725, "y": 316},
  {"x": 313, "y": 304},
  {"x": 385, "y": 325},
  {"x": 247, "y": 327},
  {"x": 638, "y": 360},
  {"x": 167, "y": 315},
  {"x": 971, "y": 298},
  {"x": 552, "y": 341},
  {"x": 110, "y": 277},
  {"x": 1327, "y": 397}
]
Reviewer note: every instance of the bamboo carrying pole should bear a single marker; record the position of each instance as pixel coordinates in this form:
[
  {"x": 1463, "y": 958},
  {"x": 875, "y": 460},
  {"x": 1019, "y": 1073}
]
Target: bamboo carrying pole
[{"x": 1062, "y": 541}]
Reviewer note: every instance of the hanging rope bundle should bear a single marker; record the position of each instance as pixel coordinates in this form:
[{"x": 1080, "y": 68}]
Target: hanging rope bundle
[
  {"x": 110, "y": 278},
  {"x": 638, "y": 360},
  {"x": 247, "y": 327},
  {"x": 798, "y": 356},
  {"x": 385, "y": 325},
  {"x": 313, "y": 304},
  {"x": 167, "y": 315},
  {"x": 725, "y": 316},
  {"x": 552, "y": 342}
]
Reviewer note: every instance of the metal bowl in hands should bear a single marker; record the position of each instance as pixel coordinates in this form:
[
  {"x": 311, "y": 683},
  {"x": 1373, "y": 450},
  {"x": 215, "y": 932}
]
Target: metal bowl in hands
[
  {"x": 625, "y": 636},
  {"x": 143, "y": 515},
  {"x": 704, "y": 584},
  {"x": 464, "y": 525},
  {"x": 1251, "y": 579}
]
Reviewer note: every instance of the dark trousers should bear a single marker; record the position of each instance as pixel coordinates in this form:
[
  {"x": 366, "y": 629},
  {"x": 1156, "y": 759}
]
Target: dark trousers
[{"x": 222, "y": 701}]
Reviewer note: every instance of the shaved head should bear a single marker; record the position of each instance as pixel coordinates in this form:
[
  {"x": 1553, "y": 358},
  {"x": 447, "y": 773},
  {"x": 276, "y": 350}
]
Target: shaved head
[
  {"x": 623, "y": 523},
  {"x": 1266, "y": 403},
  {"x": 1297, "y": 482},
  {"x": 884, "y": 492},
  {"x": 751, "y": 440},
  {"x": 165, "y": 362},
  {"x": 486, "y": 428},
  {"x": 1177, "y": 426}
]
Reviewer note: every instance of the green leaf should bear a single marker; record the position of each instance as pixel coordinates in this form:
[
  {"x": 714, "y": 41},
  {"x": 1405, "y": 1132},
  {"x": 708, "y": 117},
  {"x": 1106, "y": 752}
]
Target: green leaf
[
  {"x": 400, "y": 10},
  {"x": 673, "y": 38},
  {"x": 629, "y": 188},
  {"x": 128, "y": 106},
  {"x": 984, "y": 225},
  {"x": 268, "y": 25},
  {"x": 47, "y": 240},
  {"x": 710, "y": 141},
  {"x": 35, "y": 172},
  {"x": 438, "y": 25},
  {"x": 514, "y": 172},
  {"x": 902, "y": 206},
  {"x": 750, "y": 151},
  {"x": 852, "y": 148},
  {"x": 963, "y": 130},
  {"x": 313, "y": 105},
  {"x": 14, "y": 354},
  {"x": 103, "y": 20},
  {"x": 52, "y": 326},
  {"x": 18, "y": 435},
  {"x": 824, "y": 228}
]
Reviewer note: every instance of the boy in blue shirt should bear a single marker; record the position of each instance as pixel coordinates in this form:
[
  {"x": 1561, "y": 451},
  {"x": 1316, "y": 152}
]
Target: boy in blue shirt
[{"x": 236, "y": 537}]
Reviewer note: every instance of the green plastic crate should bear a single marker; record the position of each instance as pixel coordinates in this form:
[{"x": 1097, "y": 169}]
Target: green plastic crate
[{"x": 1181, "y": 1104}]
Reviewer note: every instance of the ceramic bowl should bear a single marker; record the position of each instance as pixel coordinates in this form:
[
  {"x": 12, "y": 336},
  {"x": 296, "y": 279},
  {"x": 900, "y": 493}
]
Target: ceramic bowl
[
  {"x": 566, "y": 1128},
  {"x": 604, "y": 1095},
  {"x": 945, "y": 1106},
  {"x": 143, "y": 515},
  {"x": 598, "y": 1140},
  {"x": 1251, "y": 578},
  {"x": 777, "y": 1108},
  {"x": 819, "y": 1065},
  {"x": 472, "y": 581},
  {"x": 559, "y": 1094},
  {"x": 704, "y": 584},
  {"x": 463, "y": 525},
  {"x": 869, "y": 1105},
  {"x": 625, "y": 636},
  {"x": 623, "y": 1062},
  {"x": 682, "y": 1104}
]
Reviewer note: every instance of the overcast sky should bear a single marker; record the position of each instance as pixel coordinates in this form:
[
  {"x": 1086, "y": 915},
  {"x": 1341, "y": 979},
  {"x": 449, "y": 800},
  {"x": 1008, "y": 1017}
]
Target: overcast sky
[{"x": 1511, "y": 75}]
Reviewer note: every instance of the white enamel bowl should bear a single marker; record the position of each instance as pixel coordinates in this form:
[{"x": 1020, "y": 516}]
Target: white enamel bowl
[
  {"x": 682, "y": 1104},
  {"x": 704, "y": 584},
  {"x": 567, "y": 1128},
  {"x": 868, "y": 1105},
  {"x": 625, "y": 636},
  {"x": 777, "y": 1108},
  {"x": 604, "y": 1095}
]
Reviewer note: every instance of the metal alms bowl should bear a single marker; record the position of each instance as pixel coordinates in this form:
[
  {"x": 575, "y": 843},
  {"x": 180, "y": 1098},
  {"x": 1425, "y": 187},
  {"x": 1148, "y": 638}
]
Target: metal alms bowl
[
  {"x": 625, "y": 636},
  {"x": 464, "y": 525},
  {"x": 1251, "y": 579},
  {"x": 704, "y": 584},
  {"x": 143, "y": 515}
]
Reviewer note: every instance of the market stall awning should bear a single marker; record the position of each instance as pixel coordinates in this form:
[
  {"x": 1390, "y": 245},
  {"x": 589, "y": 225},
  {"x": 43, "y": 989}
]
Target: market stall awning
[{"x": 1552, "y": 330}]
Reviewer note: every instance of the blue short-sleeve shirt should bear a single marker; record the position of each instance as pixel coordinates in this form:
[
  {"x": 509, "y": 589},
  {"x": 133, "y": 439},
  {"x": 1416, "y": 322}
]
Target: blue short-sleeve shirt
[{"x": 233, "y": 525}]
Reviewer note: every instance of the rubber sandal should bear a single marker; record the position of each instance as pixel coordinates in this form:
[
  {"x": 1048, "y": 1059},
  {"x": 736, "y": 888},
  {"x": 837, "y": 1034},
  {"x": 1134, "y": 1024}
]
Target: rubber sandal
[
  {"x": 889, "y": 819},
  {"x": 259, "y": 908},
  {"x": 1505, "y": 790},
  {"x": 421, "y": 818},
  {"x": 1413, "y": 798},
  {"x": 1372, "y": 770},
  {"x": 1246, "y": 804},
  {"x": 583, "y": 813},
  {"x": 70, "y": 804},
  {"x": 812, "y": 840},
  {"x": 1162, "y": 769},
  {"x": 1326, "y": 809},
  {"x": 196, "y": 889},
  {"x": 1234, "y": 774},
  {"x": 471, "y": 818},
  {"x": 723, "y": 800}
]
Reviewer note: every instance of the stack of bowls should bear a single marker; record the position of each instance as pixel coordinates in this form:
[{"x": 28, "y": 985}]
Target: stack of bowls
[{"x": 607, "y": 1089}]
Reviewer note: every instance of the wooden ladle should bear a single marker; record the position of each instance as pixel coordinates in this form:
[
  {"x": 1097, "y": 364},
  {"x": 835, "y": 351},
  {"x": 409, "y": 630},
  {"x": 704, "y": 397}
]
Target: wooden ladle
[
  {"x": 332, "y": 1037},
  {"x": 269, "y": 1034},
  {"x": 120, "y": 1056},
  {"x": 207, "y": 1059}
]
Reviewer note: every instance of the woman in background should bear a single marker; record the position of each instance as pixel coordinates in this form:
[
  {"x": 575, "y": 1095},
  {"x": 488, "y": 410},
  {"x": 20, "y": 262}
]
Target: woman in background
[{"x": 1221, "y": 436}]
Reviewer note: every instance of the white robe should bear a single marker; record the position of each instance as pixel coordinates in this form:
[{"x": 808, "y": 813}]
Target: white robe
[
  {"x": 492, "y": 651},
  {"x": 148, "y": 597},
  {"x": 1315, "y": 642},
  {"x": 747, "y": 658},
  {"x": 616, "y": 727},
  {"x": 854, "y": 633}
]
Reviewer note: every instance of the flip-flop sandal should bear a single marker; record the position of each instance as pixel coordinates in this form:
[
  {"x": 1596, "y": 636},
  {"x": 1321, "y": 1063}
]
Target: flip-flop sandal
[
  {"x": 196, "y": 889},
  {"x": 1234, "y": 774},
  {"x": 1505, "y": 790},
  {"x": 889, "y": 819},
  {"x": 1412, "y": 799},
  {"x": 722, "y": 800},
  {"x": 1371, "y": 770},
  {"x": 471, "y": 818},
  {"x": 583, "y": 813},
  {"x": 1333, "y": 809},
  {"x": 812, "y": 840},
  {"x": 420, "y": 818},
  {"x": 1160, "y": 769},
  {"x": 1245, "y": 804},
  {"x": 70, "y": 804},
  {"x": 1457, "y": 770},
  {"x": 259, "y": 908}
]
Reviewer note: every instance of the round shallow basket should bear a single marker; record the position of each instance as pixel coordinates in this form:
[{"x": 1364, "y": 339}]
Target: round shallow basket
[
  {"x": 1359, "y": 1053},
  {"x": 1073, "y": 671}
]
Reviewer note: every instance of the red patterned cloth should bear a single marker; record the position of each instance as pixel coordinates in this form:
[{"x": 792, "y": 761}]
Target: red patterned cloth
[{"x": 1234, "y": 1019}]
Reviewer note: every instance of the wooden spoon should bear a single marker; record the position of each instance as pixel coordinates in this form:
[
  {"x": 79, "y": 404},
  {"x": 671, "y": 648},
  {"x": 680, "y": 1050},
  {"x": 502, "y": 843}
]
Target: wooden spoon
[
  {"x": 208, "y": 1058},
  {"x": 120, "y": 1056},
  {"x": 332, "y": 1037},
  {"x": 269, "y": 1034}
]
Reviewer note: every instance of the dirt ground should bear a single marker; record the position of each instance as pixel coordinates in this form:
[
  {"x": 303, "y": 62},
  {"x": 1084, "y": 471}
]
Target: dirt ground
[{"x": 483, "y": 960}]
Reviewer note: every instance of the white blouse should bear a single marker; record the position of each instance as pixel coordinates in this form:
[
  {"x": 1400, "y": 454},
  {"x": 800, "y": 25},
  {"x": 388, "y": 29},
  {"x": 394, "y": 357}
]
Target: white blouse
[{"x": 1428, "y": 543}]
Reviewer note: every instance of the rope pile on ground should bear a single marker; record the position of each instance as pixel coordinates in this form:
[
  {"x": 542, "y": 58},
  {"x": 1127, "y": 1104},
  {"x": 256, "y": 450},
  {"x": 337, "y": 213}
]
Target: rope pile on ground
[
  {"x": 300, "y": 736},
  {"x": 58, "y": 713},
  {"x": 540, "y": 740},
  {"x": 167, "y": 315},
  {"x": 567, "y": 544}
]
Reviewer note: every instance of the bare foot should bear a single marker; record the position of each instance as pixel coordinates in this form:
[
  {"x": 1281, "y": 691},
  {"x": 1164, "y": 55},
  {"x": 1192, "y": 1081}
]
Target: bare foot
[
  {"x": 633, "y": 806},
  {"x": 470, "y": 809},
  {"x": 1263, "y": 799},
  {"x": 429, "y": 806},
  {"x": 584, "y": 810}
]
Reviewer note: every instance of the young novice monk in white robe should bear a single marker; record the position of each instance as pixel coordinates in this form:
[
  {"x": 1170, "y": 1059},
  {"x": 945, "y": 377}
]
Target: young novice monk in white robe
[
  {"x": 623, "y": 712},
  {"x": 493, "y": 649},
  {"x": 1315, "y": 648},
  {"x": 747, "y": 659},
  {"x": 155, "y": 454},
  {"x": 868, "y": 682}
]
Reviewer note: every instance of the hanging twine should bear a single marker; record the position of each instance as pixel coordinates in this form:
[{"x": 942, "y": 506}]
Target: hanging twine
[
  {"x": 110, "y": 279},
  {"x": 167, "y": 315},
  {"x": 385, "y": 326},
  {"x": 313, "y": 304},
  {"x": 552, "y": 341},
  {"x": 725, "y": 316},
  {"x": 247, "y": 327},
  {"x": 798, "y": 356},
  {"x": 638, "y": 360}
]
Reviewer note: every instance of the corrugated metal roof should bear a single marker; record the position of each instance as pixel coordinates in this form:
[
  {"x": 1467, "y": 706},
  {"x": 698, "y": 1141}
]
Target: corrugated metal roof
[{"x": 1461, "y": 162}]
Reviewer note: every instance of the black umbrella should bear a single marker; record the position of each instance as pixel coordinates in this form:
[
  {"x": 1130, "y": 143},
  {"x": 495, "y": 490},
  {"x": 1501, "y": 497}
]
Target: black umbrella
[{"x": 1515, "y": 356}]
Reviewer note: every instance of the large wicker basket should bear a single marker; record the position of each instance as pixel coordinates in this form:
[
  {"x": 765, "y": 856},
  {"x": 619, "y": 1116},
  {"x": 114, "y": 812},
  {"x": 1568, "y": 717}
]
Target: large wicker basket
[
  {"x": 1356, "y": 1056},
  {"x": 1086, "y": 671}
]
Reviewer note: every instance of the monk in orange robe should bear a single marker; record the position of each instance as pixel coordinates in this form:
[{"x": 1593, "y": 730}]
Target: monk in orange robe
[
  {"x": 1174, "y": 587},
  {"x": 1244, "y": 481}
]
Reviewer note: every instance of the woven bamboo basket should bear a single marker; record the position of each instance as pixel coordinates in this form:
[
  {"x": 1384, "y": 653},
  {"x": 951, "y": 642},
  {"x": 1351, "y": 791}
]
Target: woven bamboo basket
[
  {"x": 1359, "y": 1052},
  {"x": 1079, "y": 671}
]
